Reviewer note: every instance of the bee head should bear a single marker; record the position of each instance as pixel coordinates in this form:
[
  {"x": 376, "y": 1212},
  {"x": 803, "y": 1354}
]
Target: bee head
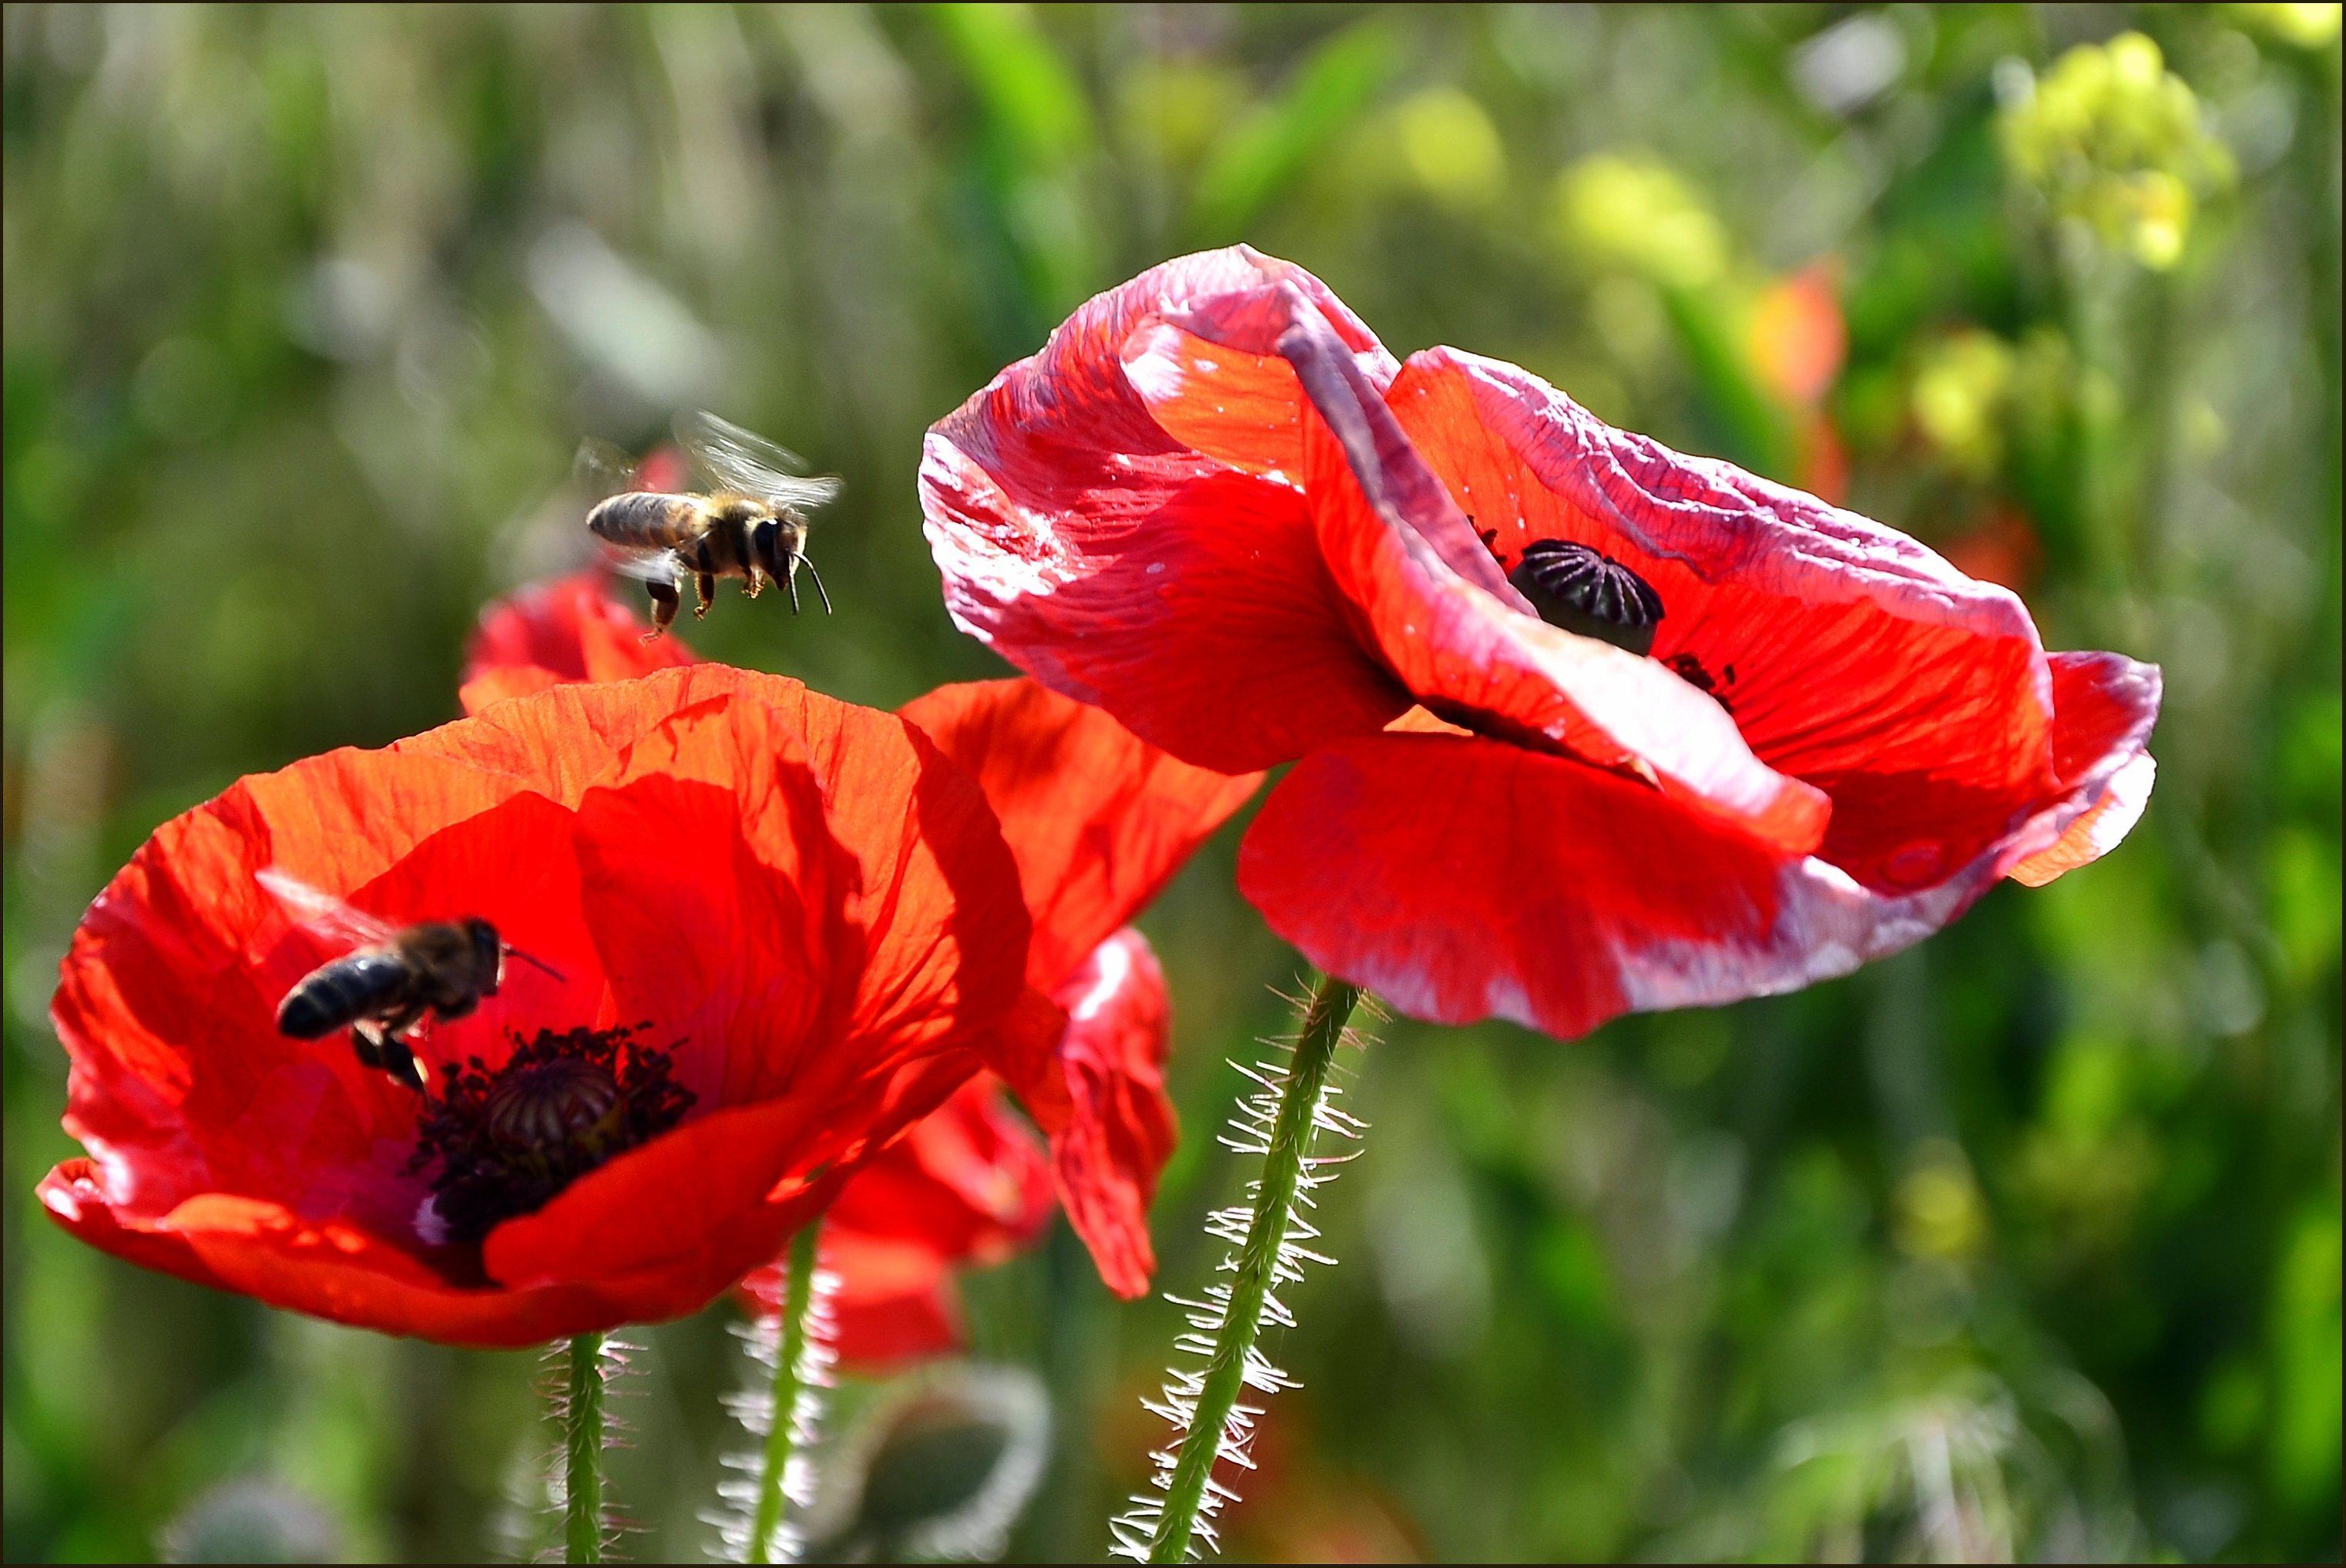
[
  {"x": 772, "y": 542},
  {"x": 488, "y": 953}
]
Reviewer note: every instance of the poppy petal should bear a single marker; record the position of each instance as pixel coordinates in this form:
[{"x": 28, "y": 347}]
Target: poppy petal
[
  {"x": 563, "y": 743},
  {"x": 1083, "y": 541},
  {"x": 934, "y": 892},
  {"x": 1097, "y": 819},
  {"x": 1461, "y": 879},
  {"x": 328, "y": 1268},
  {"x": 1440, "y": 613},
  {"x": 74, "y": 1195},
  {"x": 912, "y": 846},
  {"x": 504, "y": 684},
  {"x": 714, "y": 822},
  {"x": 878, "y": 1331},
  {"x": 970, "y": 1181},
  {"x": 1027, "y": 1055},
  {"x": 1851, "y": 657},
  {"x": 1122, "y": 1129},
  {"x": 2104, "y": 707}
]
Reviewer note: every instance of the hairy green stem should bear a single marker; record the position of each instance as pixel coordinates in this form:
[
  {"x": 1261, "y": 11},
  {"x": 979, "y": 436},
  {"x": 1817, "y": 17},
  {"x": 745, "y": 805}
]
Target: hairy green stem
[
  {"x": 789, "y": 1355},
  {"x": 582, "y": 1430},
  {"x": 1290, "y": 1139}
]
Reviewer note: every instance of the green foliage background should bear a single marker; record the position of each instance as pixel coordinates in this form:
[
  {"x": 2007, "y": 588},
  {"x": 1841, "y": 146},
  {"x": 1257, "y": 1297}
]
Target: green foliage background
[{"x": 2024, "y": 1242}]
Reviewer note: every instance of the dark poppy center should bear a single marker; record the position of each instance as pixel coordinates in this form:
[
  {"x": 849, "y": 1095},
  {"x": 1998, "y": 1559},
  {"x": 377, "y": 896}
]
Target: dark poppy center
[
  {"x": 1584, "y": 591},
  {"x": 509, "y": 1139}
]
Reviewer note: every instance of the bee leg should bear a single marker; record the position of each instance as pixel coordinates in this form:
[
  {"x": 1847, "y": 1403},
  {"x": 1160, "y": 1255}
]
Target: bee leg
[
  {"x": 754, "y": 583},
  {"x": 704, "y": 588},
  {"x": 401, "y": 1064},
  {"x": 367, "y": 1045},
  {"x": 665, "y": 600},
  {"x": 398, "y": 1056}
]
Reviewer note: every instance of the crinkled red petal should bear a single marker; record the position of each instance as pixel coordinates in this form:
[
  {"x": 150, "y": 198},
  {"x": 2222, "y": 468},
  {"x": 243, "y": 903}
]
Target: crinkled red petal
[
  {"x": 1460, "y": 879},
  {"x": 1097, "y": 819},
  {"x": 1096, "y": 551},
  {"x": 2103, "y": 705},
  {"x": 1122, "y": 1128}
]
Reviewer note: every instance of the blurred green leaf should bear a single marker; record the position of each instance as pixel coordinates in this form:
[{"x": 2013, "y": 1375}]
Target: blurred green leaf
[
  {"x": 1260, "y": 157},
  {"x": 1027, "y": 91}
]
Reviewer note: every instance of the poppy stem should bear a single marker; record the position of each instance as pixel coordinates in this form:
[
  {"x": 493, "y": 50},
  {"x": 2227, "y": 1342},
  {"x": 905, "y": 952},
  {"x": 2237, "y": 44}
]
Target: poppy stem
[
  {"x": 1266, "y": 1256},
  {"x": 582, "y": 1422},
  {"x": 791, "y": 1381}
]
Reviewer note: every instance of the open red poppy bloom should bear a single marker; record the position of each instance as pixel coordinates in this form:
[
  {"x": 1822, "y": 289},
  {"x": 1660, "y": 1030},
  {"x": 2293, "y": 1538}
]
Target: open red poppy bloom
[
  {"x": 1586, "y": 726},
  {"x": 785, "y": 929},
  {"x": 1097, "y": 821}
]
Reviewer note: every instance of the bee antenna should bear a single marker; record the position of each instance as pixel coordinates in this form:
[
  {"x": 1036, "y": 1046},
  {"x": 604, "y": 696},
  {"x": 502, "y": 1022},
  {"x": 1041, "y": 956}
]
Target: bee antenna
[
  {"x": 513, "y": 952},
  {"x": 796, "y": 561}
]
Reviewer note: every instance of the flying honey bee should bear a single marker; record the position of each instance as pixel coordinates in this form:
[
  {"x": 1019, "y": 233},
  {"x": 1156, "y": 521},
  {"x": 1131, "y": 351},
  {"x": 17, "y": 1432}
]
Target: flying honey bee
[
  {"x": 750, "y": 524},
  {"x": 398, "y": 976}
]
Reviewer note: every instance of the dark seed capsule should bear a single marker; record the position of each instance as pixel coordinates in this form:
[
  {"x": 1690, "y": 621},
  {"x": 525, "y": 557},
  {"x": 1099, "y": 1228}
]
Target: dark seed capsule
[
  {"x": 555, "y": 1103},
  {"x": 1583, "y": 591}
]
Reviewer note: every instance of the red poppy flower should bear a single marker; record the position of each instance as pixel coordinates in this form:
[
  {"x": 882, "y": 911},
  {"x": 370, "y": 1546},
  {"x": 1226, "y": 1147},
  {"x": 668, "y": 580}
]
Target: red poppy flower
[
  {"x": 1700, "y": 736},
  {"x": 785, "y": 929},
  {"x": 1097, "y": 821}
]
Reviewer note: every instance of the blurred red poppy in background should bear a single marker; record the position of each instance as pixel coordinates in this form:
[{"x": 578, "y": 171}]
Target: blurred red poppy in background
[
  {"x": 1798, "y": 340},
  {"x": 1098, "y": 822},
  {"x": 1668, "y": 734},
  {"x": 784, "y": 928},
  {"x": 572, "y": 629}
]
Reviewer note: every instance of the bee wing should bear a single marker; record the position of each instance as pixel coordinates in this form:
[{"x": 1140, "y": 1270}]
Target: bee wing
[
  {"x": 646, "y": 566},
  {"x": 601, "y": 468},
  {"x": 734, "y": 459},
  {"x": 323, "y": 913}
]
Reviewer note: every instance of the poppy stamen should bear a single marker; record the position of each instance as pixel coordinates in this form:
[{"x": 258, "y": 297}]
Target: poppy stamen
[
  {"x": 511, "y": 1137},
  {"x": 1584, "y": 591},
  {"x": 1690, "y": 669}
]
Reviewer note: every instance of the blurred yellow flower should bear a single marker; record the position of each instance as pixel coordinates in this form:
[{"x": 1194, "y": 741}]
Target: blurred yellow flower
[
  {"x": 1959, "y": 396},
  {"x": 1636, "y": 214},
  {"x": 2113, "y": 139},
  {"x": 1937, "y": 1211},
  {"x": 1176, "y": 108},
  {"x": 2307, "y": 27},
  {"x": 1451, "y": 148}
]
